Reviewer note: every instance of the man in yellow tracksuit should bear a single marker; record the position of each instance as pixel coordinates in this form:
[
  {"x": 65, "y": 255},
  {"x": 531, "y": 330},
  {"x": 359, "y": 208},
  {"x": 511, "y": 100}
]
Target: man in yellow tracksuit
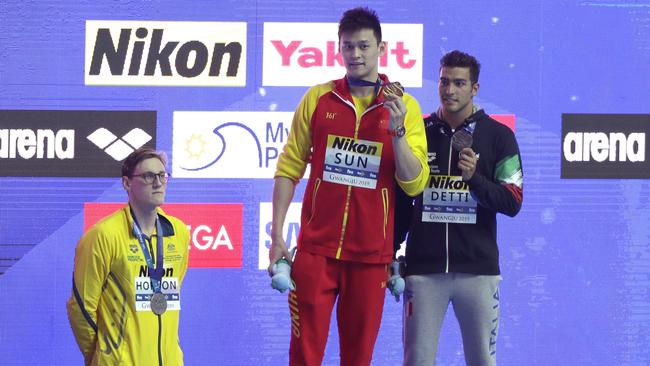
[{"x": 128, "y": 271}]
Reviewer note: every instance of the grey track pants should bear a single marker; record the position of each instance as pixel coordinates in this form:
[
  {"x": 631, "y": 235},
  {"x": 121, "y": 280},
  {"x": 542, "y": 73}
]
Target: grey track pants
[{"x": 476, "y": 304}]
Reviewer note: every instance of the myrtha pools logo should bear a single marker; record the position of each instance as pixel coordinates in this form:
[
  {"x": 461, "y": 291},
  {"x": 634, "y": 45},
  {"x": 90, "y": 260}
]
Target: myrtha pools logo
[{"x": 228, "y": 144}]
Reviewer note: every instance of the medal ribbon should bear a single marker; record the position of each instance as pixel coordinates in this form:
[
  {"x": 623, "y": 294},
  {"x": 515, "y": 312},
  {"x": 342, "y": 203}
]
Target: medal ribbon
[
  {"x": 469, "y": 127},
  {"x": 154, "y": 274},
  {"x": 360, "y": 82}
]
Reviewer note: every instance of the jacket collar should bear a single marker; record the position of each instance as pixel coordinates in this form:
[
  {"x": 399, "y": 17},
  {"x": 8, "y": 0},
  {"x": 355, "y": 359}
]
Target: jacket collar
[
  {"x": 436, "y": 122},
  {"x": 342, "y": 88},
  {"x": 165, "y": 223}
]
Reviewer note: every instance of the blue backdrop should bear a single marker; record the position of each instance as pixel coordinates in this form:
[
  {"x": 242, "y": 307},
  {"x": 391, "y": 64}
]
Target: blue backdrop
[{"x": 575, "y": 261}]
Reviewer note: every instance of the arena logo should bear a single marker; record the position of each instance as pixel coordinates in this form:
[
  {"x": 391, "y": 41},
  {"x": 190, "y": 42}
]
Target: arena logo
[
  {"x": 599, "y": 146},
  {"x": 119, "y": 148},
  {"x": 71, "y": 143},
  {"x": 39, "y": 144},
  {"x": 314, "y": 55},
  {"x": 216, "y": 233},
  {"x": 165, "y": 53},
  {"x": 228, "y": 144},
  {"x": 605, "y": 146},
  {"x": 289, "y": 231}
]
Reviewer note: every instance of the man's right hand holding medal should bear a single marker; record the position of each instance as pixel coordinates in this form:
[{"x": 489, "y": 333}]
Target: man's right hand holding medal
[
  {"x": 393, "y": 93},
  {"x": 467, "y": 163}
]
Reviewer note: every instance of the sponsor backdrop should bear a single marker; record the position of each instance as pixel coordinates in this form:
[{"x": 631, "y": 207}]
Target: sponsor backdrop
[{"x": 214, "y": 84}]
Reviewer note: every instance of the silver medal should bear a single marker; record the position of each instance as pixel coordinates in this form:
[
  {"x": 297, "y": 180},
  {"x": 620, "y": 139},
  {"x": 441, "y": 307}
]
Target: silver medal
[
  {"x": 461, "y": 139},
  {"x": 158, "y": 303}
]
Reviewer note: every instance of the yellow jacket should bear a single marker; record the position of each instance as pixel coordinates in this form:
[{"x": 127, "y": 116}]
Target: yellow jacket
[{"x": 108, "y": 309}]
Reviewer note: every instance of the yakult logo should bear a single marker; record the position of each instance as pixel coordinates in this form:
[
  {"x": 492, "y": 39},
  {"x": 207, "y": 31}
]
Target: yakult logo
[
  {"x": 605, "y": 146},
  {"x": 165, "y": 53},
  {"x": 215, "y": 230},
  {"x": 312, "y": 55}
]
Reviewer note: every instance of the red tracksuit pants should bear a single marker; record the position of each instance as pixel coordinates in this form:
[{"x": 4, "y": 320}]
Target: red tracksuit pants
[{"x": 360, "y": 288}]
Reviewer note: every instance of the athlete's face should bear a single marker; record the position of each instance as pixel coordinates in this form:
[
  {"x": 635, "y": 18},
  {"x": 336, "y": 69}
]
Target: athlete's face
[
  {"x": 144, "y": 194},
  {"x": 361, "y": 52},
  {"x": 456, "y": 90}
]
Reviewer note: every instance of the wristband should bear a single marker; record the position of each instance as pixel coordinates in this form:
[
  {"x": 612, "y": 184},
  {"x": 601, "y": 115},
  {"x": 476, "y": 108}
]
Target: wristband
[{"x": 398, "y": 132}]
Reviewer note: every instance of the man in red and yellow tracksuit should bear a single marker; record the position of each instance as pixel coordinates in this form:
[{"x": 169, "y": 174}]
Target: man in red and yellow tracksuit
[{"x": 360, "y": 143}]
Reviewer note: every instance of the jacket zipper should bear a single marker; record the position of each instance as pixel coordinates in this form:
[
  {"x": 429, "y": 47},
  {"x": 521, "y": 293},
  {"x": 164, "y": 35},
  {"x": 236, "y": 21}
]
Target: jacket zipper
[
  {"x": 446, "y": 223},
  {"x": 345, "y": 222},
  {"x": 160, "y": 361},
  {"x": 357, "y": 123}
]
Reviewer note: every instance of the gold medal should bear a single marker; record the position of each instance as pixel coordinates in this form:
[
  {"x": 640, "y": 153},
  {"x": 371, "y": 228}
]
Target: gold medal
[{"x": 395, "y": 89}]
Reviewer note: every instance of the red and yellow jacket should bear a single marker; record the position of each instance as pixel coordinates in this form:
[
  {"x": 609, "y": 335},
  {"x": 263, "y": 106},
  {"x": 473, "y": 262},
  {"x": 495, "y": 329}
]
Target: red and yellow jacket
[{"x": 340, "y": 217}]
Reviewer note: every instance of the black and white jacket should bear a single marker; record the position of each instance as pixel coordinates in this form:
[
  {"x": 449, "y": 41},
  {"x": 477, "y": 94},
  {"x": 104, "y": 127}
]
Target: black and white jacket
[{"x": 496, "y": 186}]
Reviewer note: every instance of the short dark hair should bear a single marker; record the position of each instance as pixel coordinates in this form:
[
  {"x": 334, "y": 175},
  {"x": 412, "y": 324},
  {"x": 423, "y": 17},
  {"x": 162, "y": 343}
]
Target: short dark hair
[
  {"x": 360, "y": 18},
  {"x": 143, "y": 153},
  {"x": 461, "y": 59}
]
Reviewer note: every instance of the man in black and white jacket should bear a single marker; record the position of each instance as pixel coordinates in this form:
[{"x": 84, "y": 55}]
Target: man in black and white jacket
[{"x": 452, "y": 253}]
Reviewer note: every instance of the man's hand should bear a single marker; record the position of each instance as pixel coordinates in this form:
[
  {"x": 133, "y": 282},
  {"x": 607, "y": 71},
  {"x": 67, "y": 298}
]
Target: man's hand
[
  {"x": 467, "y": 163},
  {"x": 397, "y": 110},
  {"x": 396, "y": 283},
  {"x": 278, "y": 250}
]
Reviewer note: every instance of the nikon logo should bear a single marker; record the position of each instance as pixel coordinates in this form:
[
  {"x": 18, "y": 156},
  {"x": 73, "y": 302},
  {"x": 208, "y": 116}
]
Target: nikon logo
[
  {"x": 39, "y": 144},
  {"x": 612, "y": 146},
  {"x": 447, "y": 182},
  {"x": 599, "y": 146},
  {"x": 348, "y": 144},
  {"x": 165, "y": 53}
]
